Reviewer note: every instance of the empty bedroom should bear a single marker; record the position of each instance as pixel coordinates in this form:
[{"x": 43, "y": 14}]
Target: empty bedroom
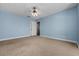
[{"x": 39, "y": 29}]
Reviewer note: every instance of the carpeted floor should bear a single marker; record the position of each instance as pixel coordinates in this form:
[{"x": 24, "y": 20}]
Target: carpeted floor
[{"x": 37, "y": 46}]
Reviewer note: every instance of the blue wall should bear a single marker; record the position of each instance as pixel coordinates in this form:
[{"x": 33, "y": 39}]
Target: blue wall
[
  {"x": 78, "y": 22},
  {"x": 14, "y": 26},
  {"x": 62, "y": 25}
]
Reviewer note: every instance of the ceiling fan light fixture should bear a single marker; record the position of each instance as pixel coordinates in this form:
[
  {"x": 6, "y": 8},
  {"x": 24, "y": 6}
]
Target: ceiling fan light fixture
[{"x": 35, "y": 12}]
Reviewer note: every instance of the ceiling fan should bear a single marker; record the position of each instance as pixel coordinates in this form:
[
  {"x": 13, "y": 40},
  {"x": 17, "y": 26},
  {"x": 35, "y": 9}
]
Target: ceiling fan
[{"x": 34, "y": 12}]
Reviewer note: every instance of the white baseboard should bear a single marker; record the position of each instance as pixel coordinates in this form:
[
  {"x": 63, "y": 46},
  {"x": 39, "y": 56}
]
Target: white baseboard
[
  {"x": 14, "y": 38},
  {"x": 41, "y": 36},
  {"x": 58, "y": 39}
]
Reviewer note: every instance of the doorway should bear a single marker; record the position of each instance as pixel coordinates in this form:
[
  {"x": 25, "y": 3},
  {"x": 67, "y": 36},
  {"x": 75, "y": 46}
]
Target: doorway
[{"x": 38, "y": 28}]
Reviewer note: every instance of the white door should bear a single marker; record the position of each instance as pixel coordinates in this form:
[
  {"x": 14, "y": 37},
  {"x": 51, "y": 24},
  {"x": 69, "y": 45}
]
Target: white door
[{"x": 34, "y": 28}]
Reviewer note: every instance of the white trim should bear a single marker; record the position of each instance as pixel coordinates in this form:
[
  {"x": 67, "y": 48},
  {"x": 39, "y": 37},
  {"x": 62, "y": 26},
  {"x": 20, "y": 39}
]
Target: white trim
[
  {"x": 58, "y": 39},
  {"x": 14, "y": 38},
  {"x": 41, "y": 36}
]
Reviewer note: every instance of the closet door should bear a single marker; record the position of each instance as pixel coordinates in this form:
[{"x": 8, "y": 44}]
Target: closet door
[{"x": 34, "y": 28}]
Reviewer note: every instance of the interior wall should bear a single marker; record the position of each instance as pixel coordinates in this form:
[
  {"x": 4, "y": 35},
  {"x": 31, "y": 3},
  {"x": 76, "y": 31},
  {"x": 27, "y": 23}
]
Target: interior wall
[
  {"x": 62, "y": 25},
  {"x": 78, "y": 22},
  {"x": 14, "y": 26}
]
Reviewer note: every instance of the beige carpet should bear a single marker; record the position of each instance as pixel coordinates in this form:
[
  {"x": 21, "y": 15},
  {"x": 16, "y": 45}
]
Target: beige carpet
[{"x": 37, "y": 46}]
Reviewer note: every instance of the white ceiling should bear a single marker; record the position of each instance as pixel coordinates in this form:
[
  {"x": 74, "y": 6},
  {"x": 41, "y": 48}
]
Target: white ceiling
[{"x": 45, "y": 9}]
